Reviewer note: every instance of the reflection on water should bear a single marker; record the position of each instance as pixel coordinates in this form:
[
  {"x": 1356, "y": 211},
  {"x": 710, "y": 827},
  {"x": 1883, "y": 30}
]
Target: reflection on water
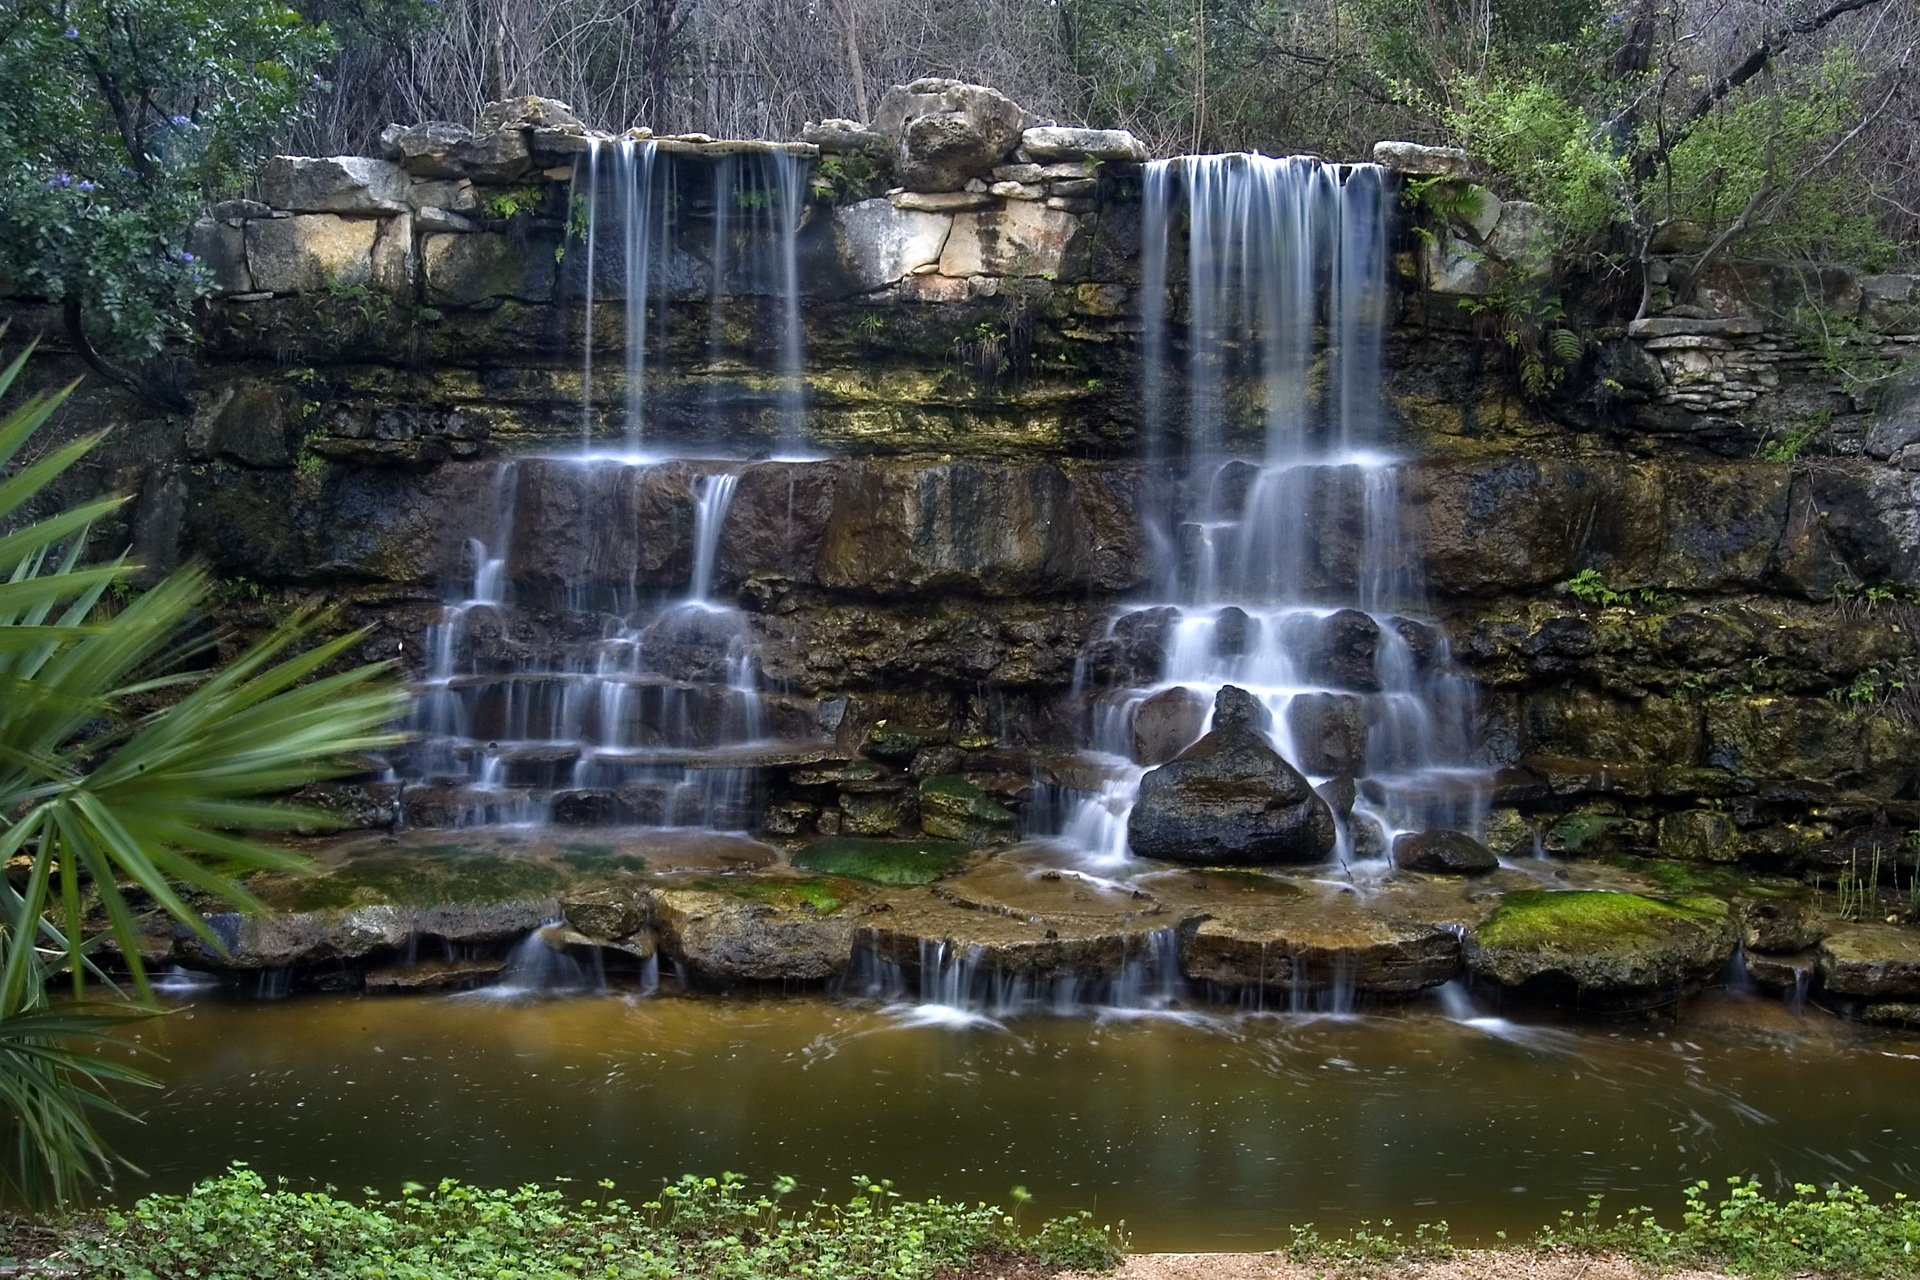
[{"x": 1203, "y": 1132}]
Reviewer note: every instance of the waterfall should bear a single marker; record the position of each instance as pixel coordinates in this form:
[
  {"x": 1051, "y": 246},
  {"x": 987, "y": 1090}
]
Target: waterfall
[
  {"x": 1282, "y": 564},
  {"x": 565, "y": 681}
]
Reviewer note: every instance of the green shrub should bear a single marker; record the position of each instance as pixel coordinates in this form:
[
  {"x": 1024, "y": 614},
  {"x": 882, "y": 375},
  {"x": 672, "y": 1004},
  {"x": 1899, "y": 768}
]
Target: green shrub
[{"x": 238, "y": 1227}]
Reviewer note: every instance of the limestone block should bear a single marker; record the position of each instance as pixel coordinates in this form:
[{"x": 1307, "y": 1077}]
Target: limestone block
[
  {"x": 879, "y": 243},
  {"x": 333, "y": 184},
  {"x": 441, "y": 150},
  {"x": 464, "y": 269},
  {"x": 310, "y": 251},
  {"x": 223, "y": 250},
  {"x": 1052, "y": 142},
  {"x": 1019, "y": 239},
  {"x": 393, "y": 256},
  {"x": 844, "y": 137},
  {"x": 455, "y": 195},
  {"x": 1017, "y": 191},
  {"x": 531, "y": 112},
  {"x": 1417, "y": 161},
  {"x": 939, "y": 201}
]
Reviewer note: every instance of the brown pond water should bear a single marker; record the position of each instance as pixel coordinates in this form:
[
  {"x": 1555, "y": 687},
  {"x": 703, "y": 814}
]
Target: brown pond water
[{"x": 1210, "y": 1133}]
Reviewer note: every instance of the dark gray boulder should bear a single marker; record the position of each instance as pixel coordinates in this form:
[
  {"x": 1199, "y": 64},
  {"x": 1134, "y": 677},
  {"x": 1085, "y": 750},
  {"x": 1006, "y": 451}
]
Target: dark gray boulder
[
  {"x": 1230, "y": 798},
  {"x": 1446, "y": 853}
]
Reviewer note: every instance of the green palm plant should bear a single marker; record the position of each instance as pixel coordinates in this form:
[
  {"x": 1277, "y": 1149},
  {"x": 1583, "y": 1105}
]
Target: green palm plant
[{"x": 109, "y": 812}]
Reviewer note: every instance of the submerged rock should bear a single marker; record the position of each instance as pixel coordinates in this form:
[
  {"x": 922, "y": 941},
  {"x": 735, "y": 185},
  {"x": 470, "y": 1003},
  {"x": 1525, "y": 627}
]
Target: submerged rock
[
  {"x": 1597, "y": 947},
  {"x": 1447, "y": 853},
  {"x": 1230, "y": 798}
]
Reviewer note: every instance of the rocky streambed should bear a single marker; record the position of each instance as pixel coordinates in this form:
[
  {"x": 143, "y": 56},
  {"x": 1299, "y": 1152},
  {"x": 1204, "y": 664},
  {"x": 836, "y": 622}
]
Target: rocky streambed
[{"x": 1015, "y": 928}]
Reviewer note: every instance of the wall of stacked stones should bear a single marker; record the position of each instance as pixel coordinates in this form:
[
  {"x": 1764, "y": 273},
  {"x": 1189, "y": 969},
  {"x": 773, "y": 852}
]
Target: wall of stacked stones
[{"x": 385, "y": 327}]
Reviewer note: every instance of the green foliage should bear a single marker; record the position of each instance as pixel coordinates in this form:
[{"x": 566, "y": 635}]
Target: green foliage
[
  {"x": 1840, "y": 1231},
  {"x": 514, "y": 203},
  {"x": 119, "y": 121},
  {"x": 1538, "y": 140},
  {"x": 1787, "y": 447},
  {"x": 238, "y": 1226},
  {"x": 1366, "y": 1246},
  {"x": 97, "y": 793},
  {"x": 1767, "y": 138},
  {"x": 881, "y": 861},
  {"x": 1588, "y": 587}
]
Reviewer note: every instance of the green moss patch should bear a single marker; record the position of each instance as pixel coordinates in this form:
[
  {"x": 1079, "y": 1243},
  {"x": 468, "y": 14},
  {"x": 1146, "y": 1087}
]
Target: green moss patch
[
  {"x": 432, "y": 876},
  {"x": 895, "y": 862},
  {"x": 1692, "y": 878},
  {"x": 599, "y": 857},
  {"x": 814, "y": 895},
  {"x": 1591, "y": 918}
]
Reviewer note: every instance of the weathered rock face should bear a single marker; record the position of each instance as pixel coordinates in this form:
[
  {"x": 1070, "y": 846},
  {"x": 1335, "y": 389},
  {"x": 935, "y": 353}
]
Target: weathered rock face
[{"x": 1230, "y": 798}]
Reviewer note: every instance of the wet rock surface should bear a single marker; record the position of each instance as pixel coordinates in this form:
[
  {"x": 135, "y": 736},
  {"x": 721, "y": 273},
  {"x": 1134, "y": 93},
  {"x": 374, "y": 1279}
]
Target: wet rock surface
[{"x": 1447, "y": 853}]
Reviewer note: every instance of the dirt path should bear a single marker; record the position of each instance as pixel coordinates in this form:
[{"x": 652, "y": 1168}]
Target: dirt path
[{"x": 1472, "y": 1264}]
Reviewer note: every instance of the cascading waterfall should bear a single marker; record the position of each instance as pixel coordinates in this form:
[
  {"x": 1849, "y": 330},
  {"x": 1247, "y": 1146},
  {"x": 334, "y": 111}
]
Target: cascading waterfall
[
  {"x": 1283, "y": 566},
  {"x": 563, "y": 685}
]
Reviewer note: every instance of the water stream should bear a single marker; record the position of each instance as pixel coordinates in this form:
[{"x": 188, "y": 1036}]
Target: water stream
[
  {"x": 571, "y": 678},
  {"x": 1284, "y": 568}
]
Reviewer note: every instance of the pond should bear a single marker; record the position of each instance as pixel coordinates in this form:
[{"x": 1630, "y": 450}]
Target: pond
[{"x": 1202, "y": 1131}]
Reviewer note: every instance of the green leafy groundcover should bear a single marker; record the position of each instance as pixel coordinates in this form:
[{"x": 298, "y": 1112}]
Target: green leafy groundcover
[{"x": 237, "y": 1227}]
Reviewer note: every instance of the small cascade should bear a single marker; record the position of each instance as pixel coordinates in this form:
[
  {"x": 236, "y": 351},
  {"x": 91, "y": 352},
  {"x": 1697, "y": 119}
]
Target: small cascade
[
  {"x": 962, "y": 986},
  {"x": 588, "y": 666},
  {"x": 1283, "y": 565},
  {"x": 541, "y": 966}
]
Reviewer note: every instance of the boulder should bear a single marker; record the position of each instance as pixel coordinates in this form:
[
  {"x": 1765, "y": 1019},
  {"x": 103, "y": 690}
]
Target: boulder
[
  {"x": 1020, "y": 238},
  {"x": 529, "y": 112},
  {"x": 1444, "y": 853},
  {"x": 1329, "y": 732},
  {"x": 1896, "y": 424},
  {"x": 1230, "y": 798},
  {"x": 951, "y": 808},
  {"x": 944, "y": 132},
  {"x": 1776, "y": 926},
  {"x": 1600, "y": 948},
  {"x": 1055, "y": 142},
  {"x": 1338, "y": 650},
  {"x": 1166, "y": 724},
  {"x": 333, "y": 184}
]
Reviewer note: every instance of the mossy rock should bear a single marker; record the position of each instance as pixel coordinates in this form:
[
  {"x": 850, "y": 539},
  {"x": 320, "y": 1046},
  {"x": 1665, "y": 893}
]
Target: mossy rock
[
  {"x": 1596, "y": 835},
  {"x": 894, "y": 862},
  {"x": 1600, "y": 948},
  {"x": 817, "y": 896},
  {"x": 951, "y": 808},
  {"x": 440, "y": 875}
]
